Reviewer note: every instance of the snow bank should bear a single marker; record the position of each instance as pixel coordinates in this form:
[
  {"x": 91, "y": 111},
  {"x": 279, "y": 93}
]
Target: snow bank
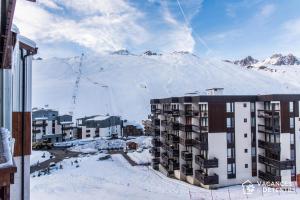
[
  {"x": 141, "y": 158},
  {"x": 37, "y": 156},
  {"x": 7, "y": 145}
]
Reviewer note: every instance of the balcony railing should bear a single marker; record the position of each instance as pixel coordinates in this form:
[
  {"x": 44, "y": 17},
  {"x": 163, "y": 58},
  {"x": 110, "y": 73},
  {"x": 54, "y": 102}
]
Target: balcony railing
[
  {"x": 268, "y": 129},
  {"x": 173, "y": 152},
  {"x": 204, "y": 129},
  {"x": 186, "y": 142},
  {"x": 268, "y": 177},
  {"x": 187, "y": 170},
  {"x": 206, "y": 163},
  {"x": 187, "y": 156},
  {"x": 281, "y": 165},
  {"x": 173, "y": 139},
  {"x": 174, "y": 126},
  {"x": 201, "y": 145},
  {"x": 155, "y": 161},
  {"x": 36, "y": 131},
  {"x": 176, "y": 112},
  {"x": 269, "y": 145},
  {"x": 39, "y": 124},
  {"x": 156, "y": 110},
  {"x": 268, "y": 113},
  {"x": 189, "y": 128},
  {"x": 206, "y": 179}
]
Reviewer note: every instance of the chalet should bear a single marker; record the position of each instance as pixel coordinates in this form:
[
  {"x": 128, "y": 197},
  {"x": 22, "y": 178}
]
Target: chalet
[{"x": 132, "y": 129}]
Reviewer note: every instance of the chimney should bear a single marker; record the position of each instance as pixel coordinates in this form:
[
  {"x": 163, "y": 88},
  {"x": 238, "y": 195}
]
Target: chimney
[{"x": 214, "y": 91}]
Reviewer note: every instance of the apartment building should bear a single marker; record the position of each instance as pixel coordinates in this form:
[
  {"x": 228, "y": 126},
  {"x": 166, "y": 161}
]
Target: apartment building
[
  {"x": 15, "y": 107},
  {"x": 221, "y": 140},
  {"x": 48, "y": 125},
  {"x": 99, "y": 126}
]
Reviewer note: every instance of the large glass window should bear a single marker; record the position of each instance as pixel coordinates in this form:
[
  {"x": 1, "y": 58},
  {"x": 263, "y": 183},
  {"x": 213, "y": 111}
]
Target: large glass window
[
  {"x": 230, "y": 107},
  {"x": 291, "y": 107},
  {"x": 229, "y": 122},
  {"x": 292, "y": 122}
]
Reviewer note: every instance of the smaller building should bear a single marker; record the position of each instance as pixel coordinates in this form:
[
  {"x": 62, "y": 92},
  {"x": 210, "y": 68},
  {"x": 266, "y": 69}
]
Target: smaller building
[
  {"x": 98, "y": 126},
  {"x": 132, "y": 129},
  {"x": 48, "y": 125}
]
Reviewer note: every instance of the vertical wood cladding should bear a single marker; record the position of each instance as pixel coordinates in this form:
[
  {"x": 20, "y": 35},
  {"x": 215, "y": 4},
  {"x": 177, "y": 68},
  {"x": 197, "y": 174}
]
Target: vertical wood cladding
[
  {"x": 17, "y": 133},
  {"x": 217, "y": 117},
  {"x": 284, "y": 117}
]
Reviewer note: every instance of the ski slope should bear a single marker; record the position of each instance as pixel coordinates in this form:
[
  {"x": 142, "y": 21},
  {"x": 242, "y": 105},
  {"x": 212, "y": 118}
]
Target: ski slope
[{"x": 124, "y": 84}]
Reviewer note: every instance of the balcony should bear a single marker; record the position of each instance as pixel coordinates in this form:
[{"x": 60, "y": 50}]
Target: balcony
[
  {"x": 67, "y": 128},
  {"x": 173, "y": 152},
  {"x": 186, "y": 142},
  {"x": 281, "y": 165},
  {"x": 39, "y": 124},
  {"x": 155, "y": 152},
  {"x": 173, "y": 139},
  {"x": 268, "y": 113},
  {"x": 174, "y": 165},
  {"x": 155, "y": 142},
  {"x": 268, "y": 129},
  {"x": 167, "y": 111},
  {"x": 175, "y": 112},
  {"x": 36, "y": 131},
  {"x": 187, "y": 156},
  {"x": 201, "y": 145},
  {"x": 174, "y": 126},
  {"x": 275, "y": 147},
  {"x": 164, "y": 122},
  {"x": 268, "y": 177},
  {"x": 155, "y": 110},
  {"x": 204, "y": 129},
  {"x": 189, "y": 128},
  {"x": 206, "y": 163},
  {"x": 187, "y": 170},
  {"x": 206, "y": 179}
]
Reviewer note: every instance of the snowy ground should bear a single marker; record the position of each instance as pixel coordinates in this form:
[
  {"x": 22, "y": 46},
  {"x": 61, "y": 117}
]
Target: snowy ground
[
  {"x": 115, "y": 179},
  {"x": 140, "y": 158},
  {"x": 37, "y": 156}
]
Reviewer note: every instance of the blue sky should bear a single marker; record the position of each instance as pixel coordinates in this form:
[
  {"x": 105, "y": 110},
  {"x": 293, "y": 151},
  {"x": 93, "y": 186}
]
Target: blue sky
[{"x": 227, "y": 29}]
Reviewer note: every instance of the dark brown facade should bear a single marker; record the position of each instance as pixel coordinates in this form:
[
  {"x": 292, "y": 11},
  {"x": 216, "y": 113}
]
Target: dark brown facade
[
  {"x": 217, "y": 117},
  {"x": 17, "y": 133}
]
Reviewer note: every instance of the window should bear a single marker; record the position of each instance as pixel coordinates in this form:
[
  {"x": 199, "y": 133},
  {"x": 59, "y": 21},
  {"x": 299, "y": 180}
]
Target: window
[
  {"x": 252, "y": 107},
  {"x": 230, "y": 137},
  {"x": 229, "y": 122},
  {"x": 231, "y": 170},
  {"x": 253, "y": 151},
  {"x": 245, "y": 105},
  {"x": 245, "y": 120},
  {"x": 246, "y": 150},
  {"x": 292, "y": 139},
  {"x": 291, "y": 122},
  {"x": 230, "y": 107},
  {"x": 291, "y": 107},
  {"x": 252, "y": 121},
  {"x": 230, "y": 153},
  {"x": 245, "y": 135},
  {"x": 246, "y": 165}
]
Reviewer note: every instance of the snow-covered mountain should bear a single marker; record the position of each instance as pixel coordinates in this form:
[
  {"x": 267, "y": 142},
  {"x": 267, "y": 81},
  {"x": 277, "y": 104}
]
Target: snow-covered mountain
[
  {"x": 248, "y": 61},
  {"x": 275, "y": 59},
  {"x": 123, "y": 83}
]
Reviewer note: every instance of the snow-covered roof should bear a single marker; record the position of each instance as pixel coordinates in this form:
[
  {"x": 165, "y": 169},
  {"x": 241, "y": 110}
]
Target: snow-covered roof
[
  {"x": 40, "y": 118},
  {"x": 15, "y": 29},
  {"x": 27, "y": 41},
  {"x": 98, "y": 118},
  {"x": 70, "y": 122},
  {"x": 5, "y": 148}
]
